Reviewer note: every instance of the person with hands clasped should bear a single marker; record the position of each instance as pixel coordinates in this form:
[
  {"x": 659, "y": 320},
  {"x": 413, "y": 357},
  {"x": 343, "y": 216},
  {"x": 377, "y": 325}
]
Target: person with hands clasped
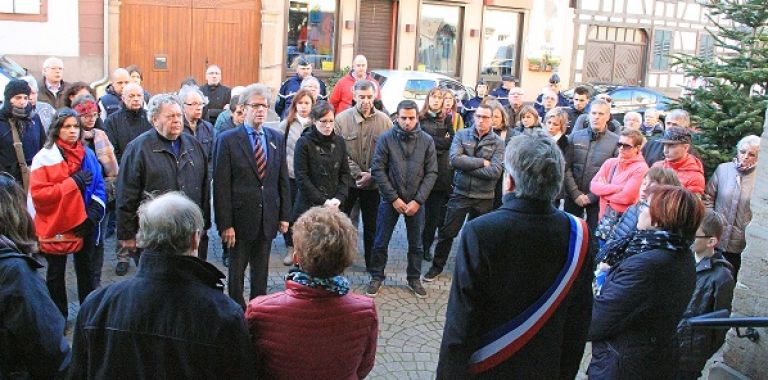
[
  {"x": 67, "y": 198},
  {"x": 405, "y": 169}
]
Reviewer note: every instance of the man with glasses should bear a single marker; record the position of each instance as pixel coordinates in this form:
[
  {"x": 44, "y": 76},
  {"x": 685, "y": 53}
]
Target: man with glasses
[
  {"x": 50, "y": 89},
  {"x": 477, "y": 155},
  {"x": 590, "y": 148},
  {"x": 218, "y": 95},
  {"x": 110, "y": 102},
  {"x": 361, "y": 126},
  {"x": 251, "y": 193},
  {"x": 515, "y": 103}
]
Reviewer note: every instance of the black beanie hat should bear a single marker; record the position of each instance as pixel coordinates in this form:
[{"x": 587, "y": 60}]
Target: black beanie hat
[{"x": 15, "y": 87}]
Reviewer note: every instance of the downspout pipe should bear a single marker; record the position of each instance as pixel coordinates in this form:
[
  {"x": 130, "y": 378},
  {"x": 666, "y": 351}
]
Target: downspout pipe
[{"x": 105, "y": 77}]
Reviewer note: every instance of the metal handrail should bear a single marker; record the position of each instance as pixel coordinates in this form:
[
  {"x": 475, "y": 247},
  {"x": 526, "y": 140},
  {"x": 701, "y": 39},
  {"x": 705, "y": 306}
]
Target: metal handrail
[{"x": 720, "y": 320}]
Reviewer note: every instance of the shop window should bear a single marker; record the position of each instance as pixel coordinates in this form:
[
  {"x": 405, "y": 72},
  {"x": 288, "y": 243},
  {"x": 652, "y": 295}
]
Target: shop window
[
  {"x": 440, "y": 39},
  {"x": 312, "y": 33},
  {"x": 501, "y": 44}
]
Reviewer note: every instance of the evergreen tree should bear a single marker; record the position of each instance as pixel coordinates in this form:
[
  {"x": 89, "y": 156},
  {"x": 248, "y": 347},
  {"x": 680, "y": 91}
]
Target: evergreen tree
[{"x": 731, "y": 104}]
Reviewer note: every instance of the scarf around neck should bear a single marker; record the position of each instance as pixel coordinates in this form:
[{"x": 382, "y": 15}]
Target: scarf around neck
[
  {"x": 337, "y": 284},
  {"x": 642, "y": 241},
  {"x": 73, "y": 154}
]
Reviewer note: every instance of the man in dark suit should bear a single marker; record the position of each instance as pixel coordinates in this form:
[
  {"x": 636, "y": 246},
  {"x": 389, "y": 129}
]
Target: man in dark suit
[
  {"x": 521, "y": 300},
  {"x": 251, "y": 193}
]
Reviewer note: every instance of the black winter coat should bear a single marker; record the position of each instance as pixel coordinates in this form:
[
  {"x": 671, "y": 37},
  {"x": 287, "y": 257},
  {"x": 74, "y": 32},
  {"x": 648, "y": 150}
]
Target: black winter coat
[
  {"x": 321, "y": 167},
  {"x": 714, "y": 291},
  {"x": 31, "y": 327},
  {"x": 32, "y": 139},
  {"x": 150, "y": 167},
  {"x": 505, "y": 261},
  {"x": 123, "y": 126},
  {"x": 636, "y": 313},
  {"x": 218, "y": 96},
  {"x": 442, "y": 134},
  {"x": 170, "y": 321},
  {"x": 589, "y": 150},
  {"x": 404, "y": 165}
]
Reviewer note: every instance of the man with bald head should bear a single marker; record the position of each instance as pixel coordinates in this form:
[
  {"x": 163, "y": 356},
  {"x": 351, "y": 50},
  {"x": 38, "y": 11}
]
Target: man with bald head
[
  {"x": 50, "y": 88},
  {"x": 218, "y": 94},
  {"x": 110, "y": 102},
  {"x": 342, "y": 95}
]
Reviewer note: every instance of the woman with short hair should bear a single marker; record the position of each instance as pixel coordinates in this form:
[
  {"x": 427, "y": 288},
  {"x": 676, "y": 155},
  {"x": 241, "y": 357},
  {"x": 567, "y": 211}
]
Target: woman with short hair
[
  {"x": 529, "y": 121},
  {"x": 316, "y": 328},
  {"x": 729, "y": 192},
  {"x": 68, "y": 196},
  {"x": 635, "y": 316},
  {"x": 31, "y": 328}
]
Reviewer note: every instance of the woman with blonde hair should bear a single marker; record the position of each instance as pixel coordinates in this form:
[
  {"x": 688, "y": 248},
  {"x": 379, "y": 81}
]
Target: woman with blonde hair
[{"x": 316, "y": 328}]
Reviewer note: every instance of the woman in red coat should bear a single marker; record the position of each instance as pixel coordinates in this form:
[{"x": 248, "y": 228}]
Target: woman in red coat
[{"x": 316, "y": 328}]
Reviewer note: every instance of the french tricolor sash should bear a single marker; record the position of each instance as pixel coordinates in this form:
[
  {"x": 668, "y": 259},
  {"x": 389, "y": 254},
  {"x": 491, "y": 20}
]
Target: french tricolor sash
[{"x": 501, "y": 343}]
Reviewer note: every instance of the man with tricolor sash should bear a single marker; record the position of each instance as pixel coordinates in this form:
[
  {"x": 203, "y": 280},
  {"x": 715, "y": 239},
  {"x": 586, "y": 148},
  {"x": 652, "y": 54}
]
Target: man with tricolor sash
[{"x": 520, "y": 302}]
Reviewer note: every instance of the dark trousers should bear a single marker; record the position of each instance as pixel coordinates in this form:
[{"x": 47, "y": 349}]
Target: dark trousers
[
  {"x": 592, "y": 211},
  {"x": 369, "y": 206},
  {"x": 735, "y": 260},
  {"x": 458, "y": 208},
  {"x": 97, "y": 259},
  {"x": 202, "y": 248},
  {"x": 57, "y": 268},
  {"x": 434, "y": 216},
  {"x": 288, "y": 236},
  {"x": 385, "y": 225},
  {"x": 256, "y": 254}
]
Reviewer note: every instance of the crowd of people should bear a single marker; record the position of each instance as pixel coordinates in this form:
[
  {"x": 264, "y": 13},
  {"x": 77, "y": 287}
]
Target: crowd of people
[{"x": 575, "y": 227}]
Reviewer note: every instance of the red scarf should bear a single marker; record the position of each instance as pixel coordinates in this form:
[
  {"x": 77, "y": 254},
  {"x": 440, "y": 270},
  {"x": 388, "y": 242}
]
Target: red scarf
[{"x": 73, "y": 154}]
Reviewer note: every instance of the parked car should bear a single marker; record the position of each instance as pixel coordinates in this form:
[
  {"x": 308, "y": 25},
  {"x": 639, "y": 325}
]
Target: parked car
[
  {"x": 627, "y": 98},
  {"x": 9, "y": 69},
  {"x": 398, "y": 85}
]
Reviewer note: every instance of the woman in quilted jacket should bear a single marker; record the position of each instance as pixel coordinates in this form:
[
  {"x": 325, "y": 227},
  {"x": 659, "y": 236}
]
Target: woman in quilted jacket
[
  {"x": 316, "y": 328},
  {"x": 68, "y": 197}
]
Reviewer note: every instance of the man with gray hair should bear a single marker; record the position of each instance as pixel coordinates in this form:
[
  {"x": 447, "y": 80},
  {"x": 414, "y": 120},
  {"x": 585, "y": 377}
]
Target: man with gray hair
[
  {"x": 52, "y": 84},
  {"x": 174, "y": 308},
  {"x": 653, "y": 151},
  {"x": 251, "y": 193},
  {"x": 160, "y": 160},
  {"x": 520, "y": 300}
]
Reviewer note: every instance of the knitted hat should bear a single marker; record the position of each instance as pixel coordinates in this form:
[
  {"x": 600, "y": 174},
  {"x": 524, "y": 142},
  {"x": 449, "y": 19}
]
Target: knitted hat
[{"x": 15, "y": 87}]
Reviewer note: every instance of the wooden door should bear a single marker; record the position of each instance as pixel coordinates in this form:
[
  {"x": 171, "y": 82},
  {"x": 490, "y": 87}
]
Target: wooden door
[
  {"x": 627, "y": 64},
  {"x": 374, "y": 38},
  {"x": 174, "y": 39},
  {"x": 598, "y": 62}
]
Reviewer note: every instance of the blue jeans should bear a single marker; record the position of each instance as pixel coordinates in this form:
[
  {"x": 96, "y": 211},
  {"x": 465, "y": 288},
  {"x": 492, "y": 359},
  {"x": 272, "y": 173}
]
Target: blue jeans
[{"x": 385, "y": 225}]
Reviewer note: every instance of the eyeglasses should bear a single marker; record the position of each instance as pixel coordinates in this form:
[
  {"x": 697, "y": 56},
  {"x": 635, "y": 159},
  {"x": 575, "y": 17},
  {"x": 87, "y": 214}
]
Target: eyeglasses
[
  {"x": 195, "y": 104},
  {"x": 624, "y": 146},
  {"x": 257, "y": 106}
]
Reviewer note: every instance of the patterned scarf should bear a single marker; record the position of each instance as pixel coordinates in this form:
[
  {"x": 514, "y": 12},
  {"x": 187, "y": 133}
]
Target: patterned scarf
[
  {"x": 642, "y": 241},
  {"x": 336, "y": 284}
]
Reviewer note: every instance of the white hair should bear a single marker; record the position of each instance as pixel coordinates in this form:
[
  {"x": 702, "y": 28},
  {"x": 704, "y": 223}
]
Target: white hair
[
  {"x": 168, "y": 223},
  {"x": 750, "y": 141},
  {"x": 157, "y": 102},
  {"x": 256, "y": 89},
  {"x": 50, "y": 61},
  {"x": 536, "y": 165}
]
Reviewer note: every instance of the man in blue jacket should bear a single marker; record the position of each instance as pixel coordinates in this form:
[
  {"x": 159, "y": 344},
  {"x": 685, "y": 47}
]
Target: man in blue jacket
[{"x": 292, "y": 85}]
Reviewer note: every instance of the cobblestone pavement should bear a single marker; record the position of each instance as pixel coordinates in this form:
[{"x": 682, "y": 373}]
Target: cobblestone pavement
[{"x": 410, "y": 329}]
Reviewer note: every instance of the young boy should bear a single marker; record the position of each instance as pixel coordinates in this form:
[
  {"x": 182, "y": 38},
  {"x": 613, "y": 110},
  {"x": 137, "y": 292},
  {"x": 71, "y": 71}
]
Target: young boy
[{"x": 714, "y": 291}]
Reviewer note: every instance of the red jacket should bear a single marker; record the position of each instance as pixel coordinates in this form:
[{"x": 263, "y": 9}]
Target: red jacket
[
  {"x": 689, "y": 170},
  {"x": 341, "y": 98},
  {"x": 624, "y": 187},
  {"x": 310, "y": 333}
]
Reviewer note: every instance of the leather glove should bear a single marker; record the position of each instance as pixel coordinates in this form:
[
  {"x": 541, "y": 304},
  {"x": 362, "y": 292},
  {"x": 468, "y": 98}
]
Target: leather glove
[
  {"x": 82, "y": 179},
  {"x": 84, "y": 228},
  {"x": 94, "y": 211}
]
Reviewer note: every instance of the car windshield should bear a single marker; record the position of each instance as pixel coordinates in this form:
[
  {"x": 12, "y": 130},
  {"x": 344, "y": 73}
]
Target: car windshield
[
  {"x": 417, "y": 88},
  {"x": 11, "y": 69}
]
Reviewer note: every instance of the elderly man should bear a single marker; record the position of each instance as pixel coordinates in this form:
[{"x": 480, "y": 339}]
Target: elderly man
[
  {"x": 251, "y": 196},
  {"x": 361, "y": 126},
  {"x": 548, "y": 102},
  {"x": 110, "y": 102},
  {"x": 677, "y": 143},
  {"x": 342, "y": 95},
  {"x": 554, "y": 86},
  {"x": 292, "y": 85},
  {"x": 579, "y": 106},
  {"x": 503, "y": 320},
  {"x": 653, "y": 151},
  {"x": 405, "y": 169},
  {"x": 52, "y": 86},
  {"x": 129, "y": 122},
  {"x": 632, "y": 120},
  {"x": 652, "y": 127},
  {"x": 477, "y": 155},
  {"x": 515, "y": 103},
  {"x": 590, "y": 148},
  {"x": 158, "y": 161},
  {"x": 218, "y": 95},
  {"x": 19, "y": 124},
  {"x": 501, "y": 93},
  {"x": 171, "y": 320}
]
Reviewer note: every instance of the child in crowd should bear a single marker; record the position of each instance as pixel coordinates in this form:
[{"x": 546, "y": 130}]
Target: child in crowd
[{"x": 714, "y": 291}]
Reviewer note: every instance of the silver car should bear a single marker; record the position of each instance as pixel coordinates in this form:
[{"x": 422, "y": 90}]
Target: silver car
[{"x": 399, "y": 85}]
